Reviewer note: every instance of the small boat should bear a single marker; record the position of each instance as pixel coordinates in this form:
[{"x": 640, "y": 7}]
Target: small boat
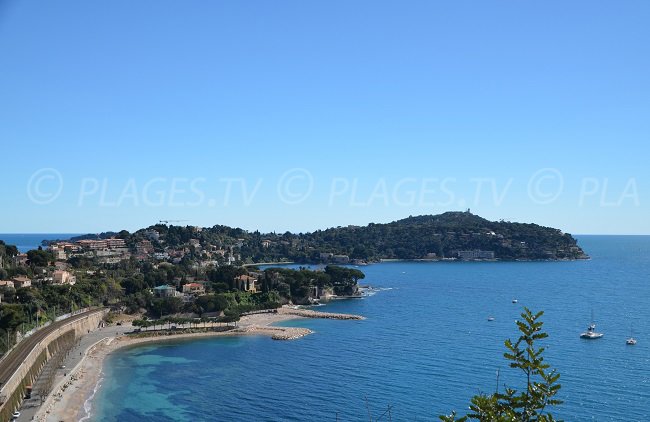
[
  {"x": 631, "y": 341},
  {"x": 515, "y": 301},
  {"x": 591, "y": 333},
  {"x": 491, "y": 318}
]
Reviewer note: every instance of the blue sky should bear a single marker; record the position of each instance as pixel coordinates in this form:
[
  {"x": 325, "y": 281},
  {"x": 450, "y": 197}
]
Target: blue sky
[{"x": 294, "y": 115}]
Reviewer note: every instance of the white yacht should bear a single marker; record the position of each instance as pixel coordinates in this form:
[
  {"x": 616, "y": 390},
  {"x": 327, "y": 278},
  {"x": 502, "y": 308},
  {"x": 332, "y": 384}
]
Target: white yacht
[{"x": 591, "y": 333}]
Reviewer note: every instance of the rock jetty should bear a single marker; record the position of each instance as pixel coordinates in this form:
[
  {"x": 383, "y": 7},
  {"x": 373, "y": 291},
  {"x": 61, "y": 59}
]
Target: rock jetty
[{"x": 305, "y": 313}]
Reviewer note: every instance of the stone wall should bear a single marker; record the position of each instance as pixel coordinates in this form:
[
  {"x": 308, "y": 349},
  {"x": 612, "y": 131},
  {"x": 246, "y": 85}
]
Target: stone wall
[{"x": 14, "y": 390}]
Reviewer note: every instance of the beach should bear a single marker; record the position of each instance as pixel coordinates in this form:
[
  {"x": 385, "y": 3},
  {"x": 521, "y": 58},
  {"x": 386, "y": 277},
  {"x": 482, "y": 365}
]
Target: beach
[{"x": 74, "y": 389}]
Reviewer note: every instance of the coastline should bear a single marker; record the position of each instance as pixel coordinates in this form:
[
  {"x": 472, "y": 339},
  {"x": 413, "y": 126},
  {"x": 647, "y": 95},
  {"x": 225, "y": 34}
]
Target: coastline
[
  {"x": 269, "y": 263},
  {"x": 72, "y": 397},
  {"x": 428, "y": 260}
]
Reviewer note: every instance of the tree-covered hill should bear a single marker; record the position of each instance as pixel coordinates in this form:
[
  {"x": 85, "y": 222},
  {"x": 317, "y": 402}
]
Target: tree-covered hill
[
  {"x": 423, "y": 237},
  {"x": 445, "y": 235}
]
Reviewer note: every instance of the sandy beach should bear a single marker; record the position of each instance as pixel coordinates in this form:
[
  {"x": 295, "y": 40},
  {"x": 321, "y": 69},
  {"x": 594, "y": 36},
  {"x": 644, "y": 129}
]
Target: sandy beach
[{"x": 71, "y": 396}]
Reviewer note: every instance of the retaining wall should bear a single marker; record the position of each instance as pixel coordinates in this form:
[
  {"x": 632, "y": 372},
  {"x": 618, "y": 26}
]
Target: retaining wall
[{"x": 13, "y": 391}]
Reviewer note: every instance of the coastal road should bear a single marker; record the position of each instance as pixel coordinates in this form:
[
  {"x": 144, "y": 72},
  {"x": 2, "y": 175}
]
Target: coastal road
[{"x": 10, "y": 364}]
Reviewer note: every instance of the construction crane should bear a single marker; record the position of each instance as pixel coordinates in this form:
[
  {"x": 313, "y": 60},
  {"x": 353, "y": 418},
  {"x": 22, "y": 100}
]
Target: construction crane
[{"x": 172, "y": 221}]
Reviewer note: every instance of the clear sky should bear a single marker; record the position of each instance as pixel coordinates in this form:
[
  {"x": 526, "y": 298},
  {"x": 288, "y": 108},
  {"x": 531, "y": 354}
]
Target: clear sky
[{"x": 298, "y": 115}]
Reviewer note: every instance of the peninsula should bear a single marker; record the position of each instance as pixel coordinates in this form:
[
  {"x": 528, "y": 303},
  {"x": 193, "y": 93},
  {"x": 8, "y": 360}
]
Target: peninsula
[{"x": 448, "y": 236}]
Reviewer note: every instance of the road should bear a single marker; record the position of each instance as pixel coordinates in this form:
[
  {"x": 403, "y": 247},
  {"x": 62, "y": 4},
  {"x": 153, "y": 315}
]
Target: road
[{"x": 10, "y": 364}]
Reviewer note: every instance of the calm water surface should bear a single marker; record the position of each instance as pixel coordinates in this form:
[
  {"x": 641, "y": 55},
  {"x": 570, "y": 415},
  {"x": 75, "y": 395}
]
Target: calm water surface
[
  {"x": 28, "y": 241},
  {"x": 425, "y": 348}
]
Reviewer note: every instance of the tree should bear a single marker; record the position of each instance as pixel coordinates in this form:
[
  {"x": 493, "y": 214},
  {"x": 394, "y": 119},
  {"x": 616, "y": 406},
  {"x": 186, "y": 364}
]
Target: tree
[
  {"x": 39, "y": 258},
  {"x": 541, "y": 383},
  {"x": 133, "y": 285},
  {"x": 10, "y": 250},
  {"x": 167, "y": 306},
  {"x": 344, "y": 279}
]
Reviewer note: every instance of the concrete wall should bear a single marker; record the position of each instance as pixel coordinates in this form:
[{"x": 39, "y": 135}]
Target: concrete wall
[{"x": 14, "y": 390}]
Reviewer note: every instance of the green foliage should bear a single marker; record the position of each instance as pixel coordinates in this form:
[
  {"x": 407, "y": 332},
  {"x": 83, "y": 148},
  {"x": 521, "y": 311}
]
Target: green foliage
[
  {"x": 298, "y": 285},
  {"x": 133, "y": 284},
  {"x": 11, "y": 316},
  {"x": 39, "y": 258},
  {"x": 541, "y": 382},
  {"x": 50, "y": 301},
  {"x": 225, "y": 276},
  {"x": 211, "y": 303},
  {"x": 6, "y": 253},
  {"x": 344, "y": 280},
  {"x": 166, "y": 306},
  {"x": 137, "y": 301},
  {"x": 410, "y": 238}
]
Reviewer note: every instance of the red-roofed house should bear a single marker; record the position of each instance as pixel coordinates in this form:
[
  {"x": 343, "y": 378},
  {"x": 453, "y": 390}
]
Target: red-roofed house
[{"x": 194, "y": 288}]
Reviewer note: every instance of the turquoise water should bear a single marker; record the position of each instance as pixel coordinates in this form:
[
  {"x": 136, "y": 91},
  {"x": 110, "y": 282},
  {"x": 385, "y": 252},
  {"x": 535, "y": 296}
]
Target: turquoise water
[
  {"x": 28, "y": 241},
  {"x": 425, "y": 348}
]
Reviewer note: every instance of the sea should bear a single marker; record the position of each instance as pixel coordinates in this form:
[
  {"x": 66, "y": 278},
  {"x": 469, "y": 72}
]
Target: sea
[
  {"x": 424, "y": 350},
  {"x": 28, "y": 241}
]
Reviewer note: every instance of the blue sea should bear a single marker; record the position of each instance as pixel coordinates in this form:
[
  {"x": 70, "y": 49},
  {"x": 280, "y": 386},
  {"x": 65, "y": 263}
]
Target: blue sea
[
  {"x": 425, "y": 349},
  {"x": 28, "y": 241}
]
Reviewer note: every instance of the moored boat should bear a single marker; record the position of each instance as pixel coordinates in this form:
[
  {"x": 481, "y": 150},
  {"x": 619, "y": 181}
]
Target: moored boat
[{"x": 591, "y": 333}]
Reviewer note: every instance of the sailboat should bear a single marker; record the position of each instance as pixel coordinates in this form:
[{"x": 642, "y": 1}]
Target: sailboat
[
  {"x": 591, "y": 333},
  {"x": 631, "y": 341}
]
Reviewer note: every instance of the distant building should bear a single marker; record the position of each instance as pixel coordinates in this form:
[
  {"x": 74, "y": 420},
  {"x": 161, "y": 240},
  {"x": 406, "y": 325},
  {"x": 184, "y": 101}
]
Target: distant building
[
  {"x": 93, "y": 245},
  {"x": 20, "y": 260},
  {"x": 6, "y": 283},
  {"x": 326, "y": 256},
  {"x": 58, "y": 252},
  {"x": 162, "y": 256},
  {"x": 145, "y": 247},
  {"x": 166, "y": 291},
  {"x": 341, "y": 259},
  {"x": 194, "y": 289},
  {"x": 114, "y": 243},
  {"x": 21, "y": 282},
  {"x": 317, "y": 293},
  {"x": 152, "y": 235},
  {"x": 246, "y": 283},
  {"x": 61, "y": 265},
  {"x": 63, "y": 277},
  {"x": 475, "y": 254}
]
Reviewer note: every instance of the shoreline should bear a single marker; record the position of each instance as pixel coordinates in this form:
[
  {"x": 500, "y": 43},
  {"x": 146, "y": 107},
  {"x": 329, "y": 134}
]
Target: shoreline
[
  {"x": 427, "y": 260},
  {"x": 72, "y": 397},
  {"x": 269, "y": 263}
]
